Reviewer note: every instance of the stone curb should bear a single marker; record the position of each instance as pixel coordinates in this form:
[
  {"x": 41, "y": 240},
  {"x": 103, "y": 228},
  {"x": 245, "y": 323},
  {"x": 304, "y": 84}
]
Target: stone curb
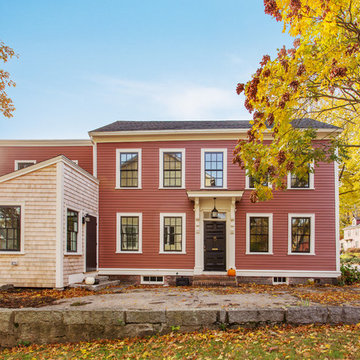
[{"x": 46, "y": 326}]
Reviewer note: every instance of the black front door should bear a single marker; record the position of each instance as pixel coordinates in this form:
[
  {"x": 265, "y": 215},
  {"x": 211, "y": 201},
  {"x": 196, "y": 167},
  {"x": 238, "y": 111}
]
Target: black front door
[
  {"x": 214, "y": 245},
  {"x": 91, "y": 262}
]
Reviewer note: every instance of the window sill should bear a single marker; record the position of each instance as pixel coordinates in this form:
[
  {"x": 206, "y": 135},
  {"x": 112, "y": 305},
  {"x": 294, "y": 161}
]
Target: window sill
[
  {"x": 73, "y": 253},
  {"x": 172, "y": 252},
  {"x": 128, "y": 252},
  {"x": 290, "y": 188},
  {"x": 302, "y": 254},
  {"x": 127, "y": 188},
  {"x": 12, "y": 253},
  {"x": 213, "y": 188},
  {"x": 259, "y": 253},
  {"x": 172, "y": 188}
]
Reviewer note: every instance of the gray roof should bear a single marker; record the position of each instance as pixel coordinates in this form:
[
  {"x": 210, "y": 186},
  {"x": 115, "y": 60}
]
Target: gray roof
[{"x": 200, "y": 125}]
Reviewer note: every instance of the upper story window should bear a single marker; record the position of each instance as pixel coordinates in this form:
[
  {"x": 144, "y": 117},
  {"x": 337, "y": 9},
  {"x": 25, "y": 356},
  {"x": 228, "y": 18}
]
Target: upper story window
[
  {"x": 172, "y": 233},
  {"x": 172, "y": 168},
  {"x": 259, "y": 233},
  {"x": 10, "y": 228},
  {"x": 306, "y": 182},
  {"x": 72, "y": 232},
  {"x": 301, "y": 234},
  {"x": 22, "y": 164},
  {"x": 214, "y": 168},
  {"x": 128, "y": 168},
  {"x": 129, "y": 232},
  {"x": 250, "y": 182}
]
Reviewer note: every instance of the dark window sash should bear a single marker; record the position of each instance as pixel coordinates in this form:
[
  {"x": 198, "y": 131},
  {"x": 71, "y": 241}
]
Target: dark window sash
[{"x": 10, "y": 228}]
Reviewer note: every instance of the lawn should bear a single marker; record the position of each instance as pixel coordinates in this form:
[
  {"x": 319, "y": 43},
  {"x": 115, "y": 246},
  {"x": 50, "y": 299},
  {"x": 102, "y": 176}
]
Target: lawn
[{"x": 284, "y": 342}]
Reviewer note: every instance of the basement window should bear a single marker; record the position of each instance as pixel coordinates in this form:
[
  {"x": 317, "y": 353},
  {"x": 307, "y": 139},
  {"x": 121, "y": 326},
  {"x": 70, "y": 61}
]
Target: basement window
[
  {"x": 152, "y": 280},
  {"x": 277, "y": 280}
]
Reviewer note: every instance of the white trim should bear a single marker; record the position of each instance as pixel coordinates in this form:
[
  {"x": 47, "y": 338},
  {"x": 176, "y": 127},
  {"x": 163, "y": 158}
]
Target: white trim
[
  {"x": 245, "y": 272},
  {"x": 4, "y": 202},
  {"x": 75, "y": 161},
  {"x": 118, "y": 152},
  {"x": 183, "y": 232},
  {"x": 221, "y": 194},
  {"x": 59, "y": 274},
  {"x": 202, "y": 174},
  {"x": 67, "y": 142},
  {"x": 161, "y": 168},
  {"x": 43, "y": 164},
  {"x": 16, "y": 163},
  {"x": 247, "y": 183},
  {"x": 311, "y": 180},
  {"x": 270, "y": 217},
  {"x": 95, "y": 159},
  {"x": 312, "y": 232},
  {"x": 79, "y": 238},
  {"x": 337, "y": 214},
  {"x": 118, "y": 233}
]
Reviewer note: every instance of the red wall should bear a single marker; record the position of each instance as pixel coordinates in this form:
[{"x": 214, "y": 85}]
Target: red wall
[
  {"x": 8, "y": 155},
  {"x": 151, "y": 201}
]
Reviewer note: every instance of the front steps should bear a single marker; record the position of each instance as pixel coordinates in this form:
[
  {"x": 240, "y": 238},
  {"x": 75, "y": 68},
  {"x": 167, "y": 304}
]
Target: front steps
[
  {"x": 101, "y": 283},
  {"x": 214, "y": 280}
]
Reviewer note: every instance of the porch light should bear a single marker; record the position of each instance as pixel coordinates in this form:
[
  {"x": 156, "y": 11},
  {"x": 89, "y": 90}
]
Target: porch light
[
  {"x": 214, "y": 212},
  {"x": 86, "y": 219}
]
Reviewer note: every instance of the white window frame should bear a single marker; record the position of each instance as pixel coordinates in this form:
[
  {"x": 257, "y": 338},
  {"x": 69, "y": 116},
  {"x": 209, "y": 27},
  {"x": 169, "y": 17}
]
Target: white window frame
[
  {"x": 312, "y": 233},
  {"x": 118, "y": 152},
  {"x": 161, "y": 168},
  {"x": 16, "y": 164},
  {"x": 79, "y": 239},
  {"x": 270, "y": 217},
  {"x": 311, "y": 180},
  {"x": 183, "y": 233},
  {"x": 152, "y": 282},
  {"x": 205, "y": 150},
  {"x": 247, "y": 183},
  {"x": 22, "y": 227},
  {"x": 118, "y": 233}
]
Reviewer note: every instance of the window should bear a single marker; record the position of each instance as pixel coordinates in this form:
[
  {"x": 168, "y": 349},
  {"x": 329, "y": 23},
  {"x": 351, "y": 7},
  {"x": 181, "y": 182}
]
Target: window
[
  {"x": 129, "y": 232},
  {"x": 152, "y": 279},
  {"x": 213, "y": 168},
  {"x": 259, "y": 233},
  {"x": 277, "y": 280},
  {"x": 172, "y": 233},
  {"x": 10, "y": 221},
  {"x": 72, "y": 231},
  {"x": 250, "y": 182},
  {"x": 306, "y": 182},
  {"x": 128, "y": 168},
  {"x": 172, "y": 168},
  {"x": 301, "y": 234},
  {"x": 22, "y": 164}
]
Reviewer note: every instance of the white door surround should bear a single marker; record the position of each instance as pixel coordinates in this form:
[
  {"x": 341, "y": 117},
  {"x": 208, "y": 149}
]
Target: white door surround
[{"x": 225, "y": 203}]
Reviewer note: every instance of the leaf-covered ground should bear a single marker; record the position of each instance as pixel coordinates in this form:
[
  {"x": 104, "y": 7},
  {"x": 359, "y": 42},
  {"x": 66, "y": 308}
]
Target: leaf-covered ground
[
  {"x": 284, "y": 342},
  {"x": 325, "y": 295}
]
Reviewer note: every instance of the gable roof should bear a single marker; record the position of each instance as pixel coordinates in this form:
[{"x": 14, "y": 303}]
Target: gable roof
[{"x": 201, "y": 125}]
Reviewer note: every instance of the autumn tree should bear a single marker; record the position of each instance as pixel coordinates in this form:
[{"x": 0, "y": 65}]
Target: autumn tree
[
  {"x": 318, "y": 78},
  {"x": 6, "y": 104}
]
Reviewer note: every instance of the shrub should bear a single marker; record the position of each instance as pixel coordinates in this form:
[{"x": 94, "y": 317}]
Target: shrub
[{"x": 349, "y": 275}]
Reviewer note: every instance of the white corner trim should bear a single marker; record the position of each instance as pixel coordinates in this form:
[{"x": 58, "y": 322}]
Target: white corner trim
[
  {"x": 16, "y": 163},
  {"x": 161, "y": 168},
  {"x": 270, "y": 217},
  {"x": 94, "y": 159},
  {"x": 202, "y": 174},
  {"x": 337, "y": 214},
  {"x": 59, "y": 277},
  {"x": 311, "y": 180},
  {"x": 312, "y": 232},
  {"x": 118, "y": 152},
  {"x": 183, "y": 233},
  {"x": 118, "y": 233},
  {"x": 4, "y": 202}
]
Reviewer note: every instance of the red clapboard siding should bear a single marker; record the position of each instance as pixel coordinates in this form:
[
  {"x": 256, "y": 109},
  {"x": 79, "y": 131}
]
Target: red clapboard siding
[
  {"x": 151, "y": 201},
  {"x": 8, "y": 155}
]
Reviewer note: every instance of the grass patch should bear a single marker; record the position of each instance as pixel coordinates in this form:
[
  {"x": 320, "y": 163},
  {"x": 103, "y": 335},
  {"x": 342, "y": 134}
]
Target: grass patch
[{"x": 283, "y": 342}]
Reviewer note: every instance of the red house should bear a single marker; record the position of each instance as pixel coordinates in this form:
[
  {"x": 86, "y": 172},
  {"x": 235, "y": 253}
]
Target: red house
[{"x": 157, "y": 186}]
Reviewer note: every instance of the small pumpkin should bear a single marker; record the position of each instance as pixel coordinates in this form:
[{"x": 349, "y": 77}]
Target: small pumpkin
[{"x": 231, "y": 272}]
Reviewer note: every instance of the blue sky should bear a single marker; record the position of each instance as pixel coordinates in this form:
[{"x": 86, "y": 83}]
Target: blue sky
[{"x": 85, "y": 63}]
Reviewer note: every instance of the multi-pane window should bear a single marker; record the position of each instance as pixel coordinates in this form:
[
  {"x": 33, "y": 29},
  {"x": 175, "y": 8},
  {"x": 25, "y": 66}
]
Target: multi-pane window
[
  {"x": 259, "y": 234},
  {"x": 300, "y": 234},
  {"x": 10, "y": 228},
  {"x": 72, "y": 231},
  {"x": 172, "y": 169},
  {"x": 252, "y": 182},
  {"x": 214, "y": 169},
  {"x": 22, "y": 164},
  {"x": 172, "y": 233},
  {"x": 300, "y": 183},
  {"x": 129, "y": 231},
  {"x": 129, "y": 169}
]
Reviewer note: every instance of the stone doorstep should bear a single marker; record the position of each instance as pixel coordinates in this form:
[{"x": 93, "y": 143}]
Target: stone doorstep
[{"x": 96, "y": 287}]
